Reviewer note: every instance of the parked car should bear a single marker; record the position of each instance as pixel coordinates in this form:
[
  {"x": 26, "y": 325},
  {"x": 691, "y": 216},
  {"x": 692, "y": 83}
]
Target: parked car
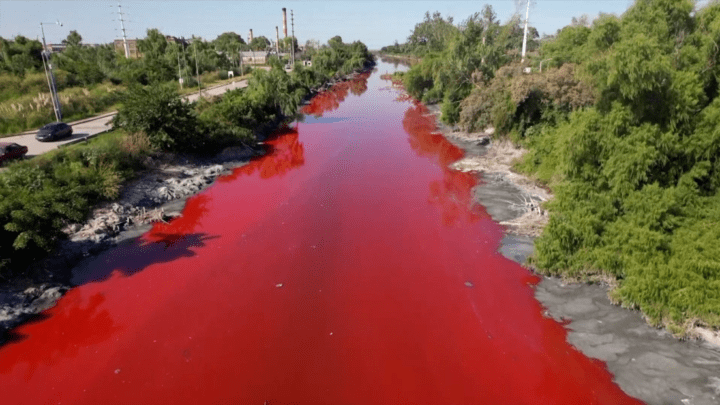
[
  {"x": 54, "y": 131},
  {"x": 11, "y": 151}
]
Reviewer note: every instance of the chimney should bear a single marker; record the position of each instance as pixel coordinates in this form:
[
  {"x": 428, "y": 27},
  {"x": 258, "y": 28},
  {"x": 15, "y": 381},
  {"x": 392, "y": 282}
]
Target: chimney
[
  {"x": 284, "y": 22},
  {"x": 250, "y": 37}
]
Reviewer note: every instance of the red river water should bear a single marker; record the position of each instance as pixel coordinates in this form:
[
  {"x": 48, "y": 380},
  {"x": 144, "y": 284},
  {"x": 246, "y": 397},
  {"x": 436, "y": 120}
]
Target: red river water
[{"x": 347, "y": 266}]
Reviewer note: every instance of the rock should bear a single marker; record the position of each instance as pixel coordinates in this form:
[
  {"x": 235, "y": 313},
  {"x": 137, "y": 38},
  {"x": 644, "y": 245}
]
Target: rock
[
  {"x": 213, "y": 170},
  {"x": 164, "y": 193},
  {"x": 32, "y": 292},
  {"x": 485, "y": 140},
  {"x": 236, "y": 153},
  {"x": 47, "y": 299}
]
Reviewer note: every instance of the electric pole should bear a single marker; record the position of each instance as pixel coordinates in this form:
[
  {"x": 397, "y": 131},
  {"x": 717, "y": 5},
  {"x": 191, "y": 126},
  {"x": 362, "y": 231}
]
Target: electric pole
[
  {"x": 524, "y": 47},
  {"x": 179, "y": 71},
  {"x": 50, "y": 76},
  {"x": 122, "y": 27},
  {"x": 197, "y": 70},
  {"x": 292, "y": 39}
]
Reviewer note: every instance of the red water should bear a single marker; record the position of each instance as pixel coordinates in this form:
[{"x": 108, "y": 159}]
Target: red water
[{"x": 331, "y": 271}]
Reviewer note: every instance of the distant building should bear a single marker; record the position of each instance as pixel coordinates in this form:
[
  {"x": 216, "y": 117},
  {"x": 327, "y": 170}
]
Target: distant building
[
  {"x": 55, "y": 48},
  {"x": 132, "y": 47},
  {"x": 255, "y": 57},
  {"x": 181, "y": 41}
]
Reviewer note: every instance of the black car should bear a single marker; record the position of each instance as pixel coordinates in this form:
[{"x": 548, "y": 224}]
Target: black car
[
  {"x": 54, "y": 131},
  {"x": 11, "y": 151}
]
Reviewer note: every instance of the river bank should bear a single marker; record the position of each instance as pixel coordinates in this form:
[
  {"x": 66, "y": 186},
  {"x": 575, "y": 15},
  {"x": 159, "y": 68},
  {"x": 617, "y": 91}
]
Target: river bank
[
  {"x": 157, "y": 194},
  {"x": 648, "y": 363}
]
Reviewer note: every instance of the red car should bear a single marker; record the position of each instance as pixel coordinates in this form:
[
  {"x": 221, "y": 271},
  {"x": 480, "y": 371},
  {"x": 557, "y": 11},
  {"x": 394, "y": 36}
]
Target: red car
[{"x": 11, "y": 151}]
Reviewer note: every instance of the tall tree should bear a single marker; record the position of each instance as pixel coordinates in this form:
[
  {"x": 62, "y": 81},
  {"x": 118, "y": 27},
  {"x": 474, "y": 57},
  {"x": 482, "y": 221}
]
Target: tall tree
[
  {"x": 73, "y": 39},
  {"x": 259, "y": 43}
]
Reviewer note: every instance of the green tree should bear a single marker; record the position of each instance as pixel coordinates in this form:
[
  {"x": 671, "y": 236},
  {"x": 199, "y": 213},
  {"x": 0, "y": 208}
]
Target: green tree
[
  {"x": 157, "y": 110},
  {"x": 288, "y": 44},
  {"x": 229, "y": 43},
  {"x": 156, "y": 65},
  {"x": 73, "y": 39},
  {"x": 259, "y": 43},
  {"x": 432, "y": 34},
  {"x": 20, "y": 55}
]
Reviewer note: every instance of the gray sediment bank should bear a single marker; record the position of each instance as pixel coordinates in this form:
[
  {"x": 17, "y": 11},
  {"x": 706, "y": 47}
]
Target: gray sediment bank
[
  {"x": 158, "y": 194},
  {"x": 647, "y": 363}
]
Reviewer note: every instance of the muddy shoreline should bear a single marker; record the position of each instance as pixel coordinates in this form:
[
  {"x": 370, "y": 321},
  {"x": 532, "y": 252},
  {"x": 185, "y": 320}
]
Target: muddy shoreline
[{"x": 647, "y": 363}]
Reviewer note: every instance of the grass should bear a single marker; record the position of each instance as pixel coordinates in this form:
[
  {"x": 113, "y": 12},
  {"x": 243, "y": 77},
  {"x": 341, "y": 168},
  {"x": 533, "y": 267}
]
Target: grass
[
  {"x": 25, "y": 103},
  {"x": 31, "y": 111}
]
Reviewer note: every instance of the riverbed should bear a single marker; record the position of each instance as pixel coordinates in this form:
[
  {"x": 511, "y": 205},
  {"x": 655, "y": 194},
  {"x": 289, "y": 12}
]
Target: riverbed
[{"x": 349, "y": 265}]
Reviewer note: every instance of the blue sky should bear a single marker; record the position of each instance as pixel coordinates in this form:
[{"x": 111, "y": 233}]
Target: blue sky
[{"x": 376, "y": 23}]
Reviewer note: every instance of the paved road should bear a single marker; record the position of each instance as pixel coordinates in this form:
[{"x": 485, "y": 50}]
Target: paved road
[{"x": 89, "y": 127}]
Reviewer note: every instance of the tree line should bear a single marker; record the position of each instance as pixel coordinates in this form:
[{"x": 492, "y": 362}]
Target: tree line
[
  {"x": 624, "y": 128},
  {"x": 90, "y": 78},
  {"x": 161, "y": 60},
  {"x": 457, "y": 57},
  {"x": 42, "y": 196}
]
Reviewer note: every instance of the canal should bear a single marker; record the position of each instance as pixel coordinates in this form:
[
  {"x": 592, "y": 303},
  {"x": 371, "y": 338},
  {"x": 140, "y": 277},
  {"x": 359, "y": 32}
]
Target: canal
[{"x": 349, "y": 265}]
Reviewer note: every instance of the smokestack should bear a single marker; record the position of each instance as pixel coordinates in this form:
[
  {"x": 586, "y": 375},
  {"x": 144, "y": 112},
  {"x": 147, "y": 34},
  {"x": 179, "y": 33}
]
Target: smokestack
[
  {"x": 277, "y": 41},
  {"x": 250, "y": 37},
  {"x": 284, "y": 22}
]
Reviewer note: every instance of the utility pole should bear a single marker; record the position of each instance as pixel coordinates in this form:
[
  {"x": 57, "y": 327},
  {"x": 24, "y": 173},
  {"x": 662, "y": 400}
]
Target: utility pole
[
  {"x": 292, "y": 39},
  {"x": 122, "y": 27},
  {"x": 524, "y": 47},
  {"x": 50, "y": 76},
  {"x": 197, "y": 70},
  {"x": 179, "y": 71}
]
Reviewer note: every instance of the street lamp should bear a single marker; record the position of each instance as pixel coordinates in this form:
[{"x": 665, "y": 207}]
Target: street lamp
[{"x": 49, "y": 74}]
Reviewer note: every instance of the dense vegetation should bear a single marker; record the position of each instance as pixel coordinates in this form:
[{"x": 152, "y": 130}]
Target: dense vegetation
[
  {"x": 624, "y": 128},
  {"x": 41, "y": 196},
  {"x": 456, "y": 59},
  {"x": 89, "y": 78},
  {"x": 38, "y": 198},
  {"x": 240, "y": 115}
]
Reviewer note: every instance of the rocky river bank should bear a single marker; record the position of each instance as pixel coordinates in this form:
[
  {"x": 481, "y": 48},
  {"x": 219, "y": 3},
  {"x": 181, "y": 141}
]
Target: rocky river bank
[
  {"x": 158, "y": 194},
  {"x": 648, "y": 363}
]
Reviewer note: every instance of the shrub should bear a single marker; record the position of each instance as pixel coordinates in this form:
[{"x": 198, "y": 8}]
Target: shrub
[
  {"x": 38, "y": 198},
  {"x": 157, "y": 110}
]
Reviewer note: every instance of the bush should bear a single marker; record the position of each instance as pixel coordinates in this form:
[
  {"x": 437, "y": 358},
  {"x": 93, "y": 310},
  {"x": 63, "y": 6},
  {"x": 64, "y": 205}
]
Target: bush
[
  {"x": 38, "y": 198},
  {"x": 157, "y": 110},
  {"x": 515, "y": 101}
]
